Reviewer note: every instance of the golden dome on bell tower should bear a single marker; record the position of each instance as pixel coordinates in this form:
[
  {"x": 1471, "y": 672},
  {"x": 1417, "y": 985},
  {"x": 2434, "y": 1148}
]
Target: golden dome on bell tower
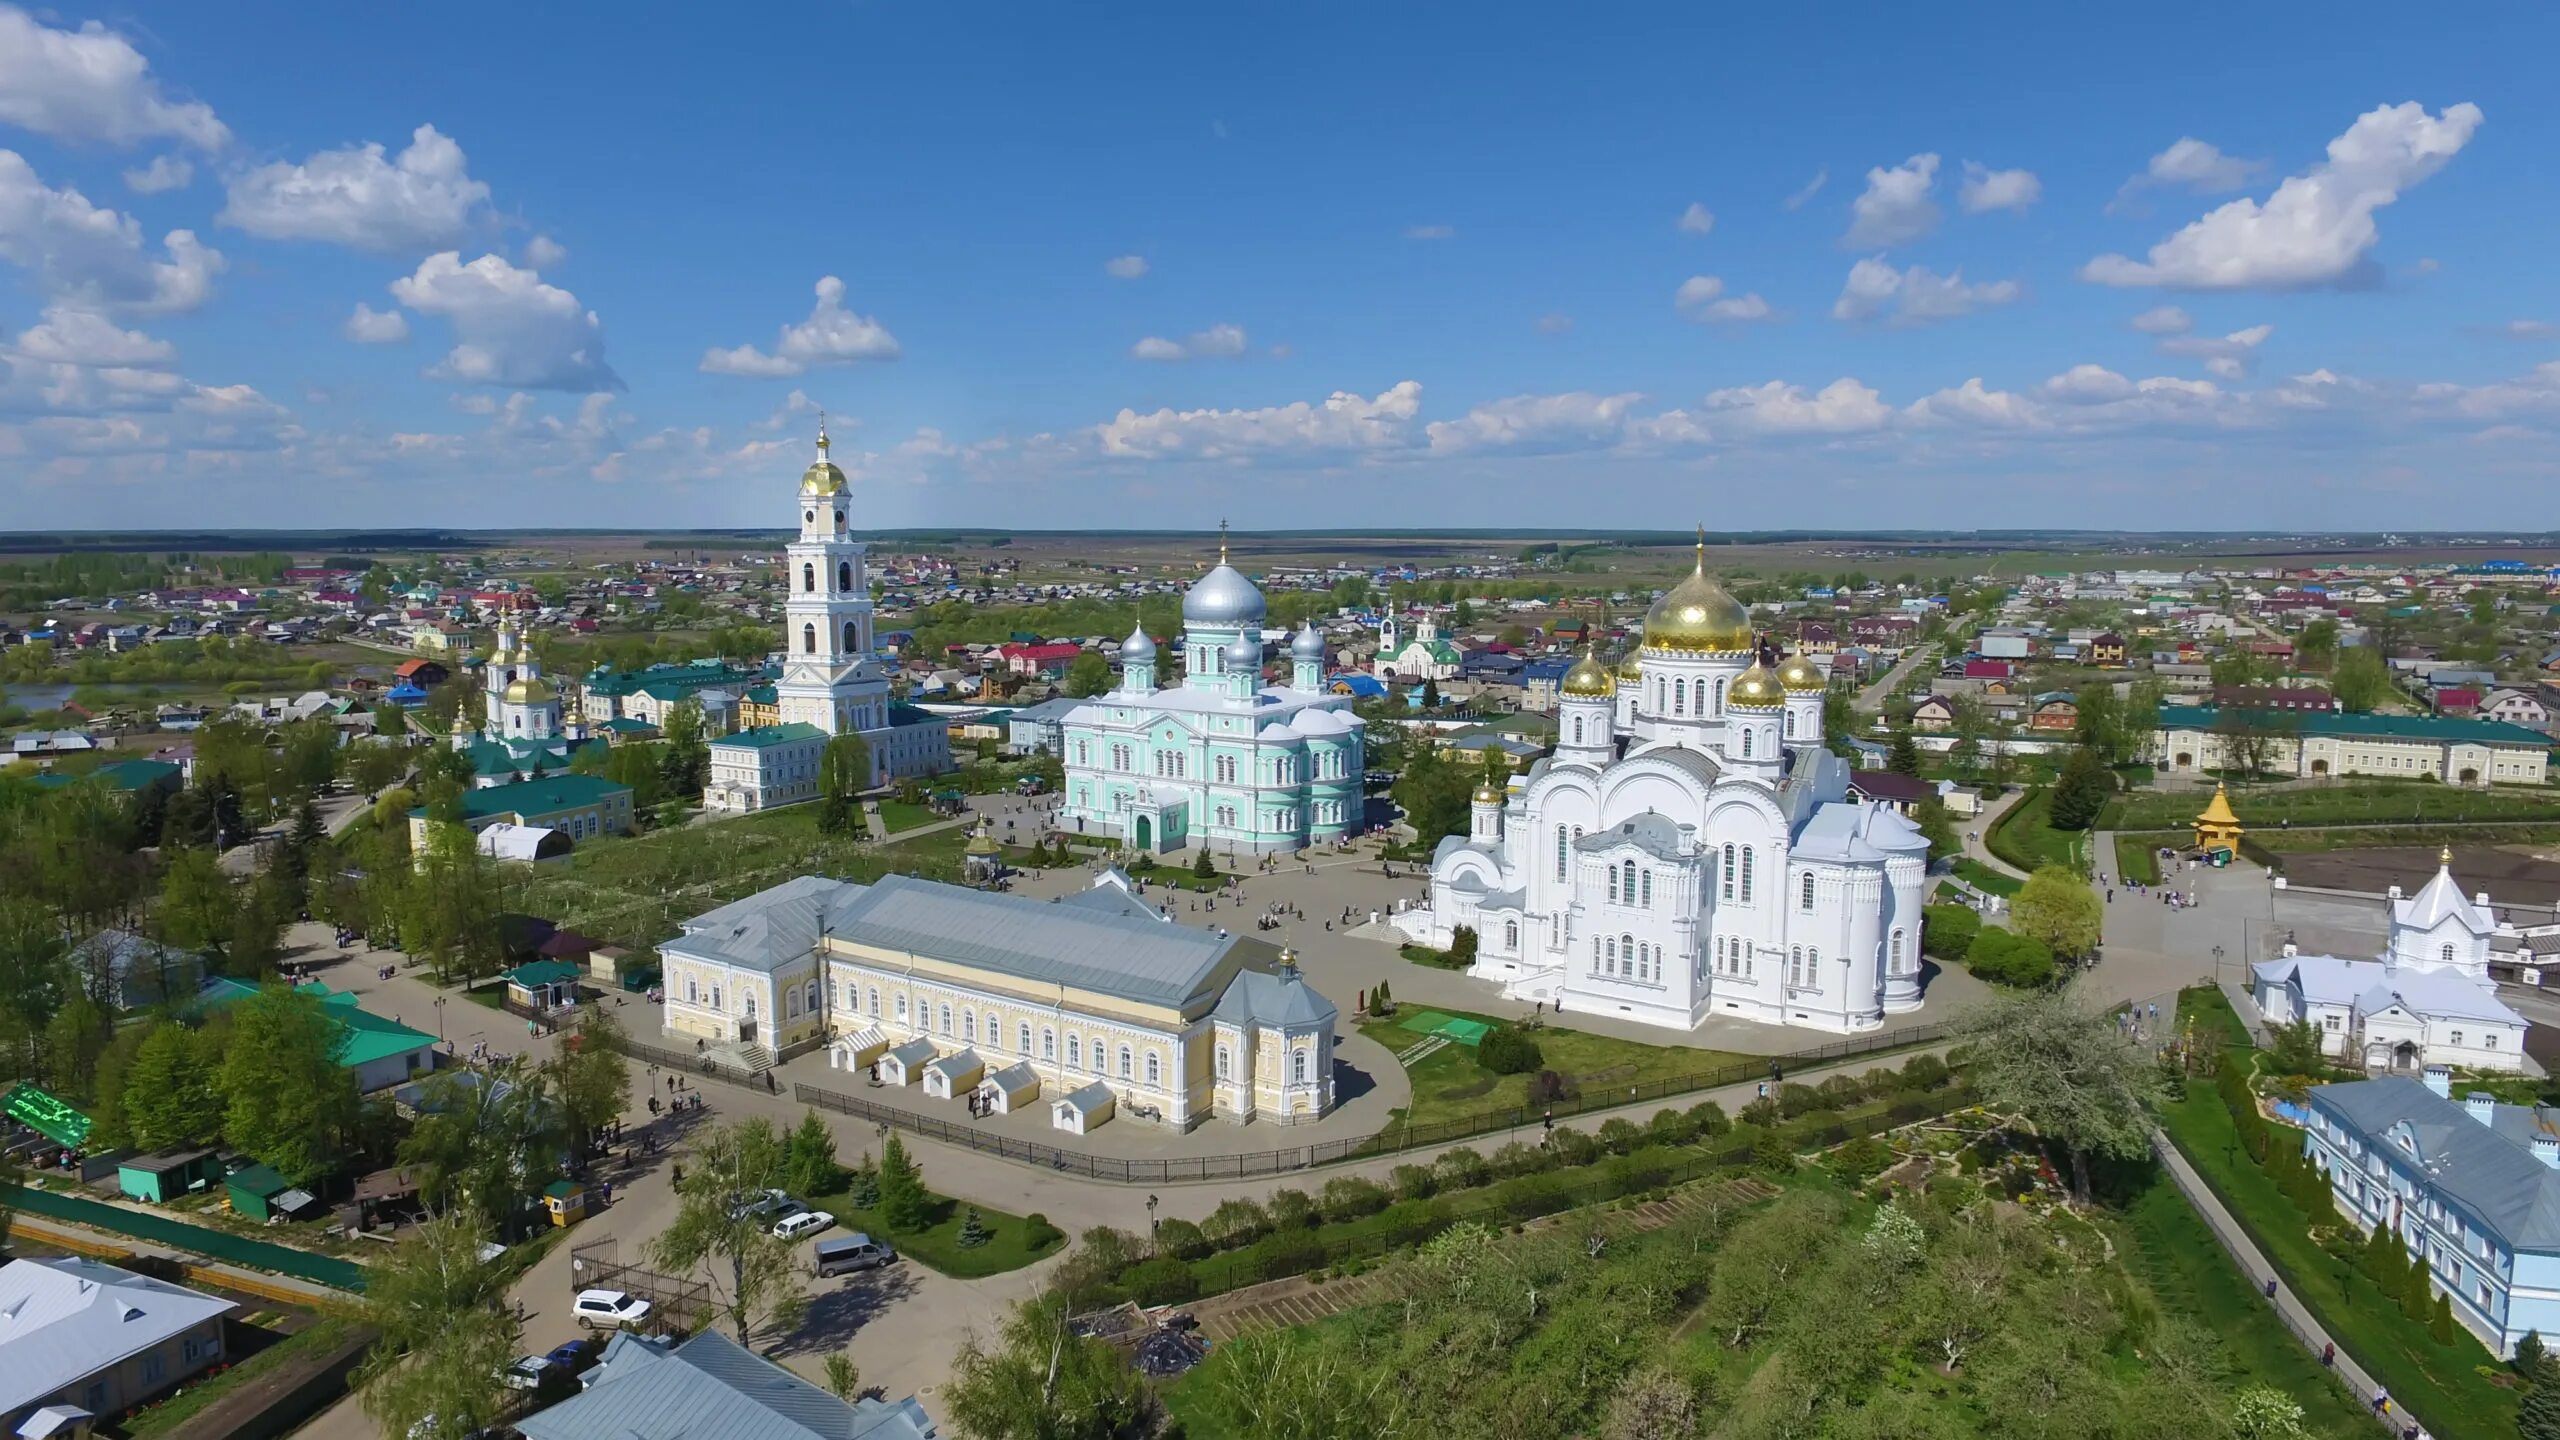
[{"x": 822, "y": 477}]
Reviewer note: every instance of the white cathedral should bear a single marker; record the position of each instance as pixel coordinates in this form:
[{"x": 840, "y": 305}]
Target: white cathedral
[
  {"x": 832, "y": 684},
  {"x": 1691, "y": 848},
  {"x": 522, "y": 735}
]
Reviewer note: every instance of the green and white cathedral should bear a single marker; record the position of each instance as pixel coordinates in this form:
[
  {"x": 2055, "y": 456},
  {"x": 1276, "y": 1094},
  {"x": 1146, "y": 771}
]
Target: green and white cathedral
[{"x": 1219, "y": 759}]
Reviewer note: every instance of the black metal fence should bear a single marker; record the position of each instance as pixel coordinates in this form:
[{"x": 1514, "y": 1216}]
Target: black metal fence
[
  {"x": 678, "y": 1062},
  {"x": 678, "y": 1306},
  {"x": 1390, "y": 1141}
]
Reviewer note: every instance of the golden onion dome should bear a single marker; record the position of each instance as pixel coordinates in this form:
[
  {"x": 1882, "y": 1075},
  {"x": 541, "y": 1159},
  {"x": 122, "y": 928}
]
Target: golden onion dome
[
  {"x": 1696, "y": 616},
  {"x": 1801, "y": 676},
  {"x": 1631, "y": 665},
  {"x": 1757, "y": 688},
  {"x": 1487, "y": 795},
  {"x": 822, "y": 477},
  {"x": 1589, "y": 679},
  {"x": 530, "y": 691}
]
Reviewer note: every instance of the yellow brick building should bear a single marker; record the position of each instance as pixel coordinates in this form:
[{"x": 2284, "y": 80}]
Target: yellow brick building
[{"x": 1179, "y": 1023}]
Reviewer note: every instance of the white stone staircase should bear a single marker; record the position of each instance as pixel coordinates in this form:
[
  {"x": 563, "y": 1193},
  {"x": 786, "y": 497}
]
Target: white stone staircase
[{"x": 742, "y": 1056}]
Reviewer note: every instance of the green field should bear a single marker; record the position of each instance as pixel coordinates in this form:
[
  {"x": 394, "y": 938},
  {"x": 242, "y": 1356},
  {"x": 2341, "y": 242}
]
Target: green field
[
  {"x": 2137, "y": 854},
  {"x": 2494, "y": 832},
  {"x": 1982, "y": 877},
  {"x": 2345, "y": 802},
  {"x": 899, "y": 816},
  {"x": 1448, "y": 1083},
  {"x": 633, "y": 891}
]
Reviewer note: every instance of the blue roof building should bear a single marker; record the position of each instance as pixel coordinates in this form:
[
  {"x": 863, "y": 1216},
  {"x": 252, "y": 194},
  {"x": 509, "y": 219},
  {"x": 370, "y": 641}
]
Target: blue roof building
[{"x": 711, "y": 1388}]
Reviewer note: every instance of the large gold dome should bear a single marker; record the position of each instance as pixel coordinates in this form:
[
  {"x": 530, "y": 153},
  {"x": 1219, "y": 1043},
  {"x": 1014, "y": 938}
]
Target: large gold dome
[
  {"x": 1697, "y": 616},
  {"x": 1801, "y": 676},
  {"x": 1757, "y": 688},
  {"x": 1589, "y": 678},
  {"x": 1631, "y": 664},
  {"x": 529, "y": 691}
]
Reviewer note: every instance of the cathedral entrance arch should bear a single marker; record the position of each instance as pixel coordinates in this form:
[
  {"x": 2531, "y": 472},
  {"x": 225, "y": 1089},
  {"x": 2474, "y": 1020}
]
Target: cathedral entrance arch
[
  {"x": 1143, "y": 833},
  {"x": 2404, "y": 1056}
]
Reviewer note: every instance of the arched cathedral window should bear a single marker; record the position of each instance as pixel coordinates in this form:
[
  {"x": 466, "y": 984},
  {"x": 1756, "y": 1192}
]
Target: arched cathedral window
[
  {"x": 844, "y": 576},
  {"x": 808, "y": 639}
]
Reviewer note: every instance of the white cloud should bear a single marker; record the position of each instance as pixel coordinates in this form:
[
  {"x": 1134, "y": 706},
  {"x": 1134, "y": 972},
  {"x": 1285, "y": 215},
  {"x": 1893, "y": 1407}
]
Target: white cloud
[
  {"x": 369, "y": 326},
  {"x": 84, "y": 337},
  {"x": 91, "y": 85},
  {"x": 542, "y": 253},
  {"x": 2529, "y": 329},
  {"x": 1125, "y": 267},
  {"x": 1896, "y": 207},
  {"x": 2318, "y": 228},
  {"x": 1702, "y": 298},
  {"x": 2163, "y": 320},
  {"x": 1430, "y": 232},
  {"x": 2229, "y": 357},
  {"x": 1985, "y": 190},
  {"x": 1218, "y": 342},
  {"x": 1580, "y": 420},
  {"x": 509, "y": 327},
  {"x": 1915, "y": 296},
  {"x": 88, "y": 256},
  {"x": 1554, "y": 323},
  {"x": 832, "y": 335},
  {"x": 1809, "y": 189},
  {"x": 1842, "y": 407},
  {"x": 2189, "y": 164},
  {"x": 1973, "y": 403},
  {"x": 1343, "y": 424},
  {"x": 165, "y": 172},
  {"x": 422, "y": 200},
  {"x": 1697, "y": 219}
]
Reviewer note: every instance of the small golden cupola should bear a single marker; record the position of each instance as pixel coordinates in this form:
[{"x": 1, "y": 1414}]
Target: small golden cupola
[
  {"x": 1589, "y": 679},
  {"x": 822, "y": 477},
  {"x": 1757, "y": 688},
  {"x": 1801, "y": 676}
]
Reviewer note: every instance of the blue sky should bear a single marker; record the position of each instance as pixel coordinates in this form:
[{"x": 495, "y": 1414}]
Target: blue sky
[{"x": 2241, "y": 267}]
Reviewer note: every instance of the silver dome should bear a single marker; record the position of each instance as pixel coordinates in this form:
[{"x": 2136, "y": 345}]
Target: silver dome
[
  {"x": 1139, "y": 646},
  {"x": 1307, "y": 645},
  {"x": 1223, "y": 597}
]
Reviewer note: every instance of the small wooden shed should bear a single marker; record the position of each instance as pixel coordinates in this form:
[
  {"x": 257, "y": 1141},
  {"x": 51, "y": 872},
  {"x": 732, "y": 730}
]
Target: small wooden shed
[
  {"x": 953, "y": 1075},
  {"x": 905, "y": 1064},
  {"x": 1079, "y": 1113},
  {"x": 1011, "y": 1088},
  {"x": 166, "y": 1176}
]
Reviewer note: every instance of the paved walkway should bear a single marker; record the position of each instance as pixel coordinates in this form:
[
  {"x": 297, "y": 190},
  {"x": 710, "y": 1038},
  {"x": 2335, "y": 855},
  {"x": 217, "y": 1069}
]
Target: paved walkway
[
  {"x": 1980, "y": 825},
  {"x": 2296, "y": 1316},
  {"x": 1872, "y": 698}
]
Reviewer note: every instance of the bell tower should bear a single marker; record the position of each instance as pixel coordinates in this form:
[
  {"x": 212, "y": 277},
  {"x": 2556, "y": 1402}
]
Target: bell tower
[{"x": 829, "y": 678}]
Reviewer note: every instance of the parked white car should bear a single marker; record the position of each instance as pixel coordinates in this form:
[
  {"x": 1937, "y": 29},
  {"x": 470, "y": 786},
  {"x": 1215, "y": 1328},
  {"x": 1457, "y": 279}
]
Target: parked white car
[
  {"x": 805, "y": 1222},
  {"x": 609, "y": 1310}
]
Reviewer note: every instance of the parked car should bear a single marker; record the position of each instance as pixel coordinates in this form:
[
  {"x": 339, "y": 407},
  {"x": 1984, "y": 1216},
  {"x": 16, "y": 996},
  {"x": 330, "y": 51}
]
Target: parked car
[
  {"x": 609, "y": 1310},
  {"x": 802, "y": 1222},
  {"x": 525, "y": 1374},
  {"x": 760, "y": 1203},
  {"x": 577, "y": 1355},
  {"x": 850, "y": 1253}
]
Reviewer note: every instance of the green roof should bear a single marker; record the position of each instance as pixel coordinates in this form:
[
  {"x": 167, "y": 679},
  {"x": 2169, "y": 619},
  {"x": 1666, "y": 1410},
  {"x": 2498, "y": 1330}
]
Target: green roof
[
  {"x": 625, "y": 725},
  {"x": 2394, "y": 727},
  {"x": 562, "y": 1189},
  {"x": 260, "y": 1181},
  {"x": 765, "y": 736},
  {"x": 548, "y": 795},
  {"x": 363, "y": 1036},
  {"x": 120, "y": 774},
  {"x": 542, "y": 972},
  {"x": 46, "y": 1114}
]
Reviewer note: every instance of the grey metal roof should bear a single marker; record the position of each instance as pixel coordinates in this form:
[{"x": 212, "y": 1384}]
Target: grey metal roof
[
  {"x": 1107, "y": 898},
  {"x": 769, "y": 928},
  {"x": 1088, "y": 1100},
  {"x": 707, "y": 1388},
  {"x": 1655, "y": 834},
  {"x": 61, "y": 1320},
  {"x": 914, "y": 1053},
  {"x": 958, "y": 1063},
  {"x": 1256, "y": 997},
  {"x": 1047, "y": 943},
  {"x": 2489, "y": 1171}
]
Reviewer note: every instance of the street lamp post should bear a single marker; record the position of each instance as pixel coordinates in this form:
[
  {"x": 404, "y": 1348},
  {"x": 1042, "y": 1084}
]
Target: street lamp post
[
  {"x": 439, "y": 1019},
  {"x": 1151, "y": 1217}
]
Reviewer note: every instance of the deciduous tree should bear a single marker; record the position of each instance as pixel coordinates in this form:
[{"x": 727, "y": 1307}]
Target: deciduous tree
[
  {"x": 172, "y": 1093},
  {"x": 445, "y": 1335},
  {"x": 2068, "y": 1072},
  {"x": 289, "y": 1102},
  {"x": 2059, "y": 909},
  {"x": 752, "y": 1273},
  {"x": 1039, "y": 1381}
]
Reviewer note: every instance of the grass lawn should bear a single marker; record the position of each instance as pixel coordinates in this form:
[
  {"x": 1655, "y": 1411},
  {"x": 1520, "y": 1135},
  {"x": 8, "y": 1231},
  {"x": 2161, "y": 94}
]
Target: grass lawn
[
  {"x": 1982, "y": 877},
  {"x": 1449, "y": 1084},
  {"x": 2026, "y": 838},
  {"x": 2345, "y": 802},
  {"x": 938, "y": 1244},
  {"x": 2300, "y": 840},
  {"x": 2165, "y": 1242},
  {"x": 898, "y": 815},
  {"x": 2138, "y": 854},
  {"x": 2439, "y": 1382}
]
